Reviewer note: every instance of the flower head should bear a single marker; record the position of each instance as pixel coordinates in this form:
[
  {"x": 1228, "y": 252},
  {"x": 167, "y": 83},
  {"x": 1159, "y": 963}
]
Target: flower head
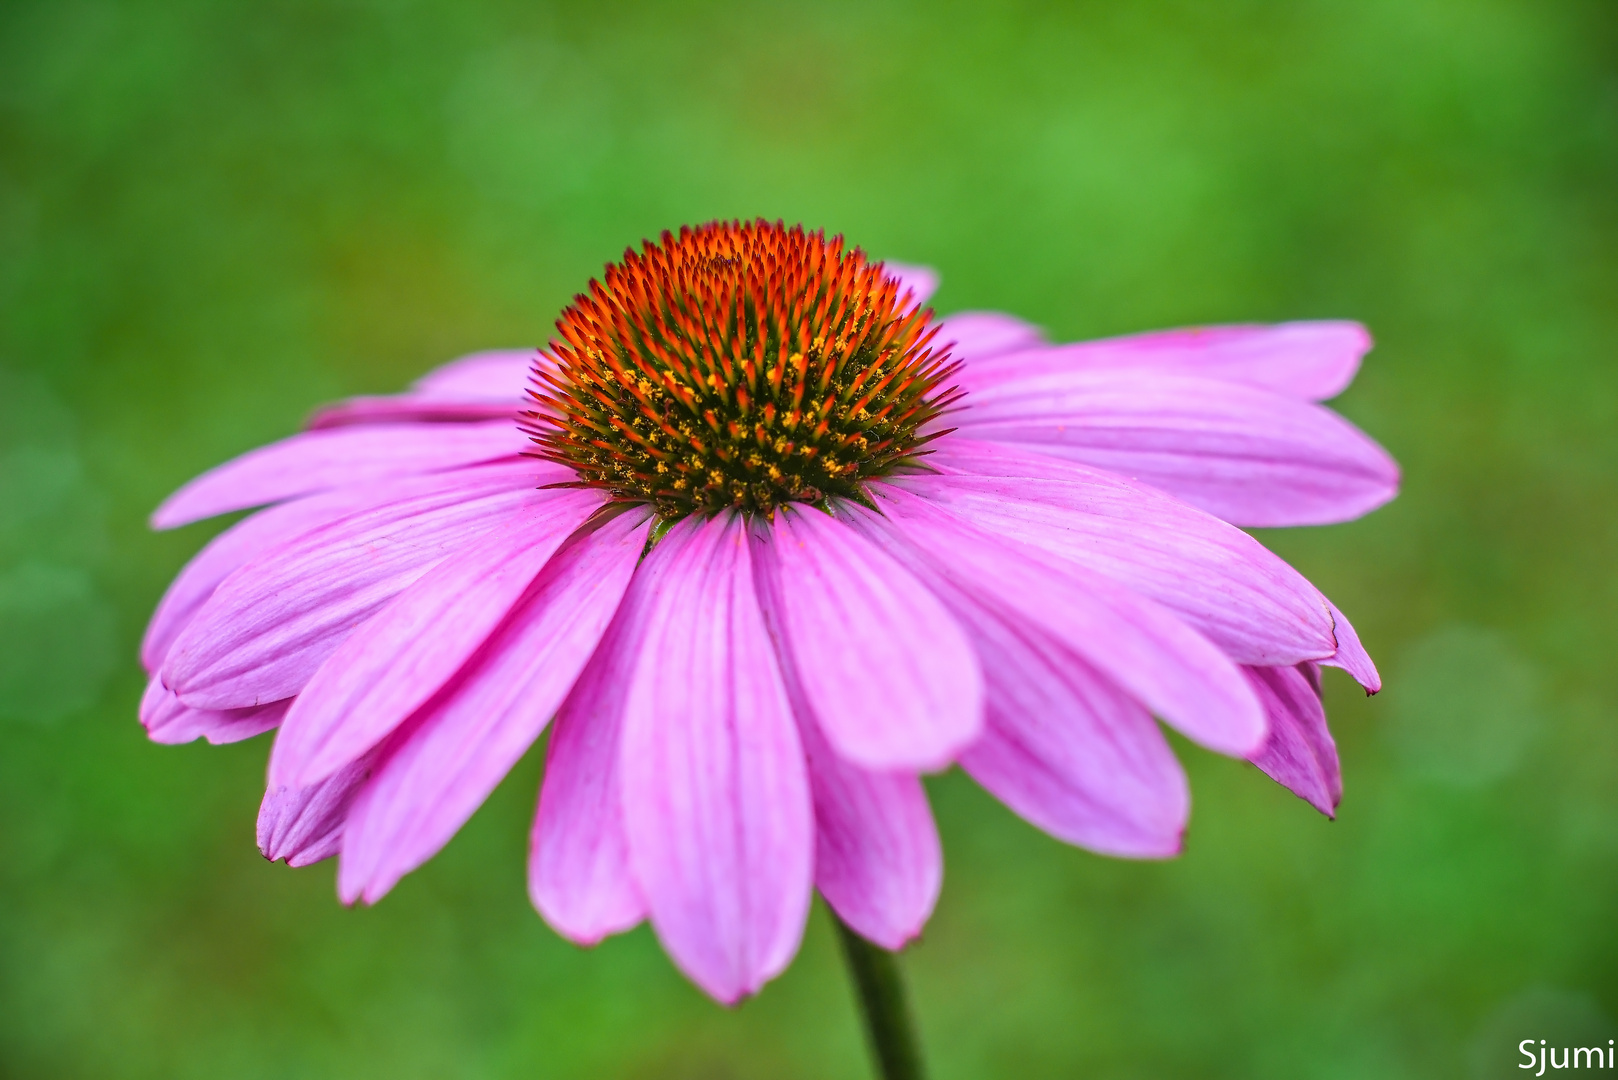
[
  {"x": 739, "y": 366},
  {"x": 761, "y": 541}
]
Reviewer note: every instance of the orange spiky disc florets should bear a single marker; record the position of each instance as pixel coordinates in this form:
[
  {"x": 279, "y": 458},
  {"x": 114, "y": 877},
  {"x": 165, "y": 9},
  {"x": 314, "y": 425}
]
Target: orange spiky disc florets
[{"x": 740, "y": 366}]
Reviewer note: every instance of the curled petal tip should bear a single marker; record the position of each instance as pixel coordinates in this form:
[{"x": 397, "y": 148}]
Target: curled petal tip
[{"x": 1351, "y": 655}]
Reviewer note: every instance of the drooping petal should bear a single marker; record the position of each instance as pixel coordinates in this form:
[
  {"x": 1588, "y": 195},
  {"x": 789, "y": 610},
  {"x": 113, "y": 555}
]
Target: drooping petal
[
  {"x": 169, "y": 720},
  {"x": 1162, "y": 662},
  {"x": 716, "y": 801},
  {"x": 396, "y": 661},
  {"x": 1309, "y": 361},
  {"x": 305, "y": 825},
  {"x": 922, "y": 281},
  {"x": 1300, "y": 754},
  {"x": 980, "y": 335},
  {"x": 877, "y": 858},
  {"x": 500, "y": 375},
  {"x": 1219, "y": 579},
  {"x": 239, "y": 544},
  {"x": 878, "y": 861},
  {"x": 1351, "y": 655},
  {"x": 254, "y": 536},
  {"x": 318, "y": 460},
  {"x": 269, "y": 625},
  {"x": 1066, "y": 748},
  {"x": 884, "y": 670},
  {"x": 260, "y": 533},
  {"x": 1250, "y": 456},
  {"x": 459, "y": 746},
  {"x": 579, "y": 877}
]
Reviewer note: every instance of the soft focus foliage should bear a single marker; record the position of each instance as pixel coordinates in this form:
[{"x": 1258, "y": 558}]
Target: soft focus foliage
[{"x": 213, "y": 217}]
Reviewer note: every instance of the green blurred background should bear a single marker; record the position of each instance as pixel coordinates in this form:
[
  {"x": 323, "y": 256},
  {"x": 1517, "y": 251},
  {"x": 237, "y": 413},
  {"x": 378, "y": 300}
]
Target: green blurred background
[{"x": 214, "y": 216}]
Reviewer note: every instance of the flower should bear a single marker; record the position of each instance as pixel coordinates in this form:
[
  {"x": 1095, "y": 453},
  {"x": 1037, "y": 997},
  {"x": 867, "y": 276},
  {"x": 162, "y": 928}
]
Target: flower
[{"x": 769, "y": 542}]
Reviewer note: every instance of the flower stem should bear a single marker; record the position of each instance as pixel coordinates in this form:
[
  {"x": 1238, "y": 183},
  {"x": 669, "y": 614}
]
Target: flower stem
[{"x": 888, "y": 1023}]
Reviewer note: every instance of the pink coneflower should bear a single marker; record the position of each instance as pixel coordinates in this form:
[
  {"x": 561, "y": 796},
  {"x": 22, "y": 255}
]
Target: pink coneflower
[{"x": 768, "y": 542}]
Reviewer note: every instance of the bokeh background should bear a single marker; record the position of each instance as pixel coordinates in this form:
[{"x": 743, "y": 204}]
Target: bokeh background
[{"x": 215, "y": 216}]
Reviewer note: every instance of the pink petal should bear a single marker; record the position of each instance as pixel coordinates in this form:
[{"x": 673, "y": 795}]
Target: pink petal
[
  {"x": 884, "y": 670},
  {"x": 409, "y": 409},
  {"x": 483, "y": 386},
  {"x": 1247, "y": 455},
  {"x": 268, "y": 529},
  {"x": 1159, "y": 660},
  {"x": 716, "y": 801},
  {"x": 305, "y": 825},
  {"x": 239, "y": 544},
  {"x": 318, "y": 460},
  {"x": 269, "y": 625},
  {"x": 980, "y": 335},
  {"x": 1067, "y": 749},
  {"x": 922, "y": 281},
  {"x": 461, "y": 745},
  {"x": 1351, "y": 655},
  {"x": 1309, "y": 361},
  {"x": 1219, "y": 579},
  {"x": 498, "y": 376},
  {"x": 578, "y": 855},
  {"x": 396, "y": 661},
  {"x": 169, "y": 720},
  {"x": 878, "y": 862},
  {"x": 1299, "y": 754},
  {"x": 227, "y": 552}
]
